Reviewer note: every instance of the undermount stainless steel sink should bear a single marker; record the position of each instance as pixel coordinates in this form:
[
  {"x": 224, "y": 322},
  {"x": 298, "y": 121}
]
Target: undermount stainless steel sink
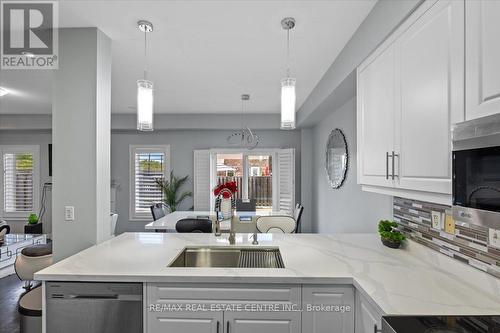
[{"x": 229, "y": 257}]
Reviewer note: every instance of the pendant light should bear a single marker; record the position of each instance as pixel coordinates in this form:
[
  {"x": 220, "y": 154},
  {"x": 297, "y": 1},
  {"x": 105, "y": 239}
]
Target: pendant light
[
  {"x": 288, "y": 83},
  {"x": 145, "y": 88},
  {"x": 244, "y": 137}
]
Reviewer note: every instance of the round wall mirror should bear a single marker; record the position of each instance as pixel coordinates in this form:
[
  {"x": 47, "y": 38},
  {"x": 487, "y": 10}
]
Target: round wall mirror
[{"x": 336, "y": 158}]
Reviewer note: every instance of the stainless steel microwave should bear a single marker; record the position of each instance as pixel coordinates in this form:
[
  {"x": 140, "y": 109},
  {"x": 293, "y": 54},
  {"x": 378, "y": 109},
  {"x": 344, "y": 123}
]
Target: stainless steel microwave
[{"x": 476, "y": 172}]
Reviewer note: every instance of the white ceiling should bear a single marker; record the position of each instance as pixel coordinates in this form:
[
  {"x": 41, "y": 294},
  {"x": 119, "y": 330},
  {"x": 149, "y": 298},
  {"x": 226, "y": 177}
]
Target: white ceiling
[{"x": 203, "y": 54}]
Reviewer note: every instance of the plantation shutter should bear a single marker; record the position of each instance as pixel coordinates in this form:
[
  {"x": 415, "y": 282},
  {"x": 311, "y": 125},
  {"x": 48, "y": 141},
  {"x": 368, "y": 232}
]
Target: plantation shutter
[
  {"x": 20, "y": 179},
  {"x": 149, "y": 164},
  {"x": 286, "y": 180},
  {"x": 201, "y": 178}
]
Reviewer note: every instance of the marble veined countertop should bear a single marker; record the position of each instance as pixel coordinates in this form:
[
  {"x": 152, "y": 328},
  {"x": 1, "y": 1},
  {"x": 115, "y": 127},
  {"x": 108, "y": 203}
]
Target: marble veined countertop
[{"x": 410, "y": 281}]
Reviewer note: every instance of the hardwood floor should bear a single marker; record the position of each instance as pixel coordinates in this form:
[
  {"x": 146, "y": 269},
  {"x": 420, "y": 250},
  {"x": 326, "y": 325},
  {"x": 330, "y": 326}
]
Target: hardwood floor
[{"x": 10, "y": 290}]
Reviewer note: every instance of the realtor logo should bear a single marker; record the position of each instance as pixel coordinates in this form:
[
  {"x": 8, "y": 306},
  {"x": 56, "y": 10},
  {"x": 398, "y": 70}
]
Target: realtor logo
[{"x": 29, "y": 35}]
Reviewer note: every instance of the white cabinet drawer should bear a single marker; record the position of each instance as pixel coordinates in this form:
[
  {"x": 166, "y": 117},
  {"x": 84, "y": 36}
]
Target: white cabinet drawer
[
  {"x": 220, "y": 293},
  {"x": 321, "y": 317}
]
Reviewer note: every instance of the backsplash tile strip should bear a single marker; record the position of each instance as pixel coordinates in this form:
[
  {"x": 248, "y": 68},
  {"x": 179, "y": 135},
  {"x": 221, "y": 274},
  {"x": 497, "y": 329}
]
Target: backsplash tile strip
[{"x": 469, "y": 243}]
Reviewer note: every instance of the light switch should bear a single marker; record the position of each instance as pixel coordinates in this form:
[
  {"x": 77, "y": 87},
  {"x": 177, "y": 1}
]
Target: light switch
[
  {"x": 69, "y": 213},
  {"x": 494, "y": 238}
]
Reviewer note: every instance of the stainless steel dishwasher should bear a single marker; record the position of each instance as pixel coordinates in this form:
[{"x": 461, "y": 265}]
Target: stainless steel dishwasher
[{"x": 86, "y": 307}]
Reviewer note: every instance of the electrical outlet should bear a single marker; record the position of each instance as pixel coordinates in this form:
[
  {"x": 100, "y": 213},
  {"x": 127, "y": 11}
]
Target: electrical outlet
[
  {"x": 69, "y": 213},
  {"x": 494, "y": 238},
  {"x": 436, "y": 219},
  {"x": 449, "y": 225}
]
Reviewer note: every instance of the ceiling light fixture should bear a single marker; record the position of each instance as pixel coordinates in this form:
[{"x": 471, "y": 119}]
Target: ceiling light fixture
[
  {"x": 244, "y": 137},
  {"x": 3, "y": 92},
  {"x": 145, "y": 87},
  {"x": 288, "y": 83}
]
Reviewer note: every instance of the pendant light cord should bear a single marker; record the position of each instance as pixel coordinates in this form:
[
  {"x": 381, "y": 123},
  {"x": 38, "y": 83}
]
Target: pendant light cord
[
  {"x": 145, "y": 56},
  {"x": 288, "y": 52},
  {"x": 242, "y": 112}
]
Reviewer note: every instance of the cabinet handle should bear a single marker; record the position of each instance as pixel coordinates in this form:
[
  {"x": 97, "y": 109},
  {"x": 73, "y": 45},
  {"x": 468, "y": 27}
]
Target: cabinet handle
[
  {"x": 227, "y": 327},
  {"x": 386, "y": 165},
  {"x": 394, "y": 155},
  {"x": 218, "y": 326},
  {"x": 375, "y": 329}
]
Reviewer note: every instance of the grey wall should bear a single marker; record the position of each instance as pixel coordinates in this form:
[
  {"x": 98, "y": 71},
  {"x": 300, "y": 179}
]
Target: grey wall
[
  {"x": 42, "y": 139},
  {"x": 81, "y": 118},
  {"x": 182, "y": 143},
  {"x": 347, "y": 209}
]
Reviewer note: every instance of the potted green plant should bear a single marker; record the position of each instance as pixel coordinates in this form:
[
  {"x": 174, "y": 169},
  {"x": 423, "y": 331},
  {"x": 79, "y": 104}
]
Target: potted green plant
[
  {"x": 171, "y": 188},
  {"x": 32, "y": 219},
  {"x": 389, "y": 235}
]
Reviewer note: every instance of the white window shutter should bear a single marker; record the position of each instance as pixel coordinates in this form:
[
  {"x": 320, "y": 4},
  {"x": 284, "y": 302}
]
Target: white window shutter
[
  {"x": 147, "y": 164},
  {"x": 19, "y": 181},
  {"x": 148, "y": 167},
  {"x": 201, "y": 179},
  {"x": 286, "y": 180}
]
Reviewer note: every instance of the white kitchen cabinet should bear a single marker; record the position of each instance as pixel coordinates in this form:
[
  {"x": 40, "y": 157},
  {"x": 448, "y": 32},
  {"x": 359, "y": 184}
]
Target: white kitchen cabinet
[
  {"x": 482, "y": 58},
  {"x": 192, "y": 322},
  {"x": 327, "y": 320},
  {"x": 422, "y": 96},
  {"x": 262, "y": 322},
  {"x": 430, "y": 91},
  {"x": 207, "y": 297},
  {"x": 376, "y": 104},
  {"x": 367, "y": 316}
]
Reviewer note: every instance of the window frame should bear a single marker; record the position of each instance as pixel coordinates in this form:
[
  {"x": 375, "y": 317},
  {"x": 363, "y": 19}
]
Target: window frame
[
  {"x": 35, "y": 151},
  {"x": 133, "y": 149}
]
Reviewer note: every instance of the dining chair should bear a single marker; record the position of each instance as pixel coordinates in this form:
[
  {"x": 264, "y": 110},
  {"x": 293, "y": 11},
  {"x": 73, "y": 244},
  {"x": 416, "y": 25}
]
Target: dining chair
[
  {"x": 4, "y": 230},
  {"x": 276, "y": 224},
  {"x": 194, "y": 225},
  {"x": 246, "y": 206},
  {"x": 297, "y": 215},
  {"x": 157, "y": 211}
]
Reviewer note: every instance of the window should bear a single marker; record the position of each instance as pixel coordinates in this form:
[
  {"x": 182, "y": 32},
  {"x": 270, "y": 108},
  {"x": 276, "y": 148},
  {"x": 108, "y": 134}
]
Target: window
[
  {"x": 147, "y": 164},
  {"x": 266, "y": 176},
  {"x": 252, "y": 173},
  {"x": 20, "y": 180}
]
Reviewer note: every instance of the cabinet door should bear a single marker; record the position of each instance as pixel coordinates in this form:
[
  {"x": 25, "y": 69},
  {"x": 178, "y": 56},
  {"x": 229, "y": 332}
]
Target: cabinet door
[
  {"x": 430, "y": 97},
  {"x": 326, "y": 320},
  {"x": 375, "y": 117},
  {"x": 261, "y": 322},
  {"x": 366, "y": 316},
  {"x": 482, "y": 58},
  {"x": 183, "y": 321}
]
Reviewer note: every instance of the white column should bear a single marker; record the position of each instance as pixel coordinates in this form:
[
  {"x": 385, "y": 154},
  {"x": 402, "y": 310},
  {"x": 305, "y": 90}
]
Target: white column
[{"x": 81, "y": 113}]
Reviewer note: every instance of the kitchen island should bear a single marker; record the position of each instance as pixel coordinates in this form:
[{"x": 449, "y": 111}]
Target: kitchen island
[{"x": 410, "y": 281}]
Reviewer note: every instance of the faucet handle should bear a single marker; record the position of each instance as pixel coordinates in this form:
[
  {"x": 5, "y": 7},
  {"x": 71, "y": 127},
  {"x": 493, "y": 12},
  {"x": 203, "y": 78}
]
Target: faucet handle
[{"x": 255, "y": 242}]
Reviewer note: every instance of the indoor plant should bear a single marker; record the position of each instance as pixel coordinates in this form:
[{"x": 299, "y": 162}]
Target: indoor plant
[
  {"x": 171, "y": 188},
  {"x": 32, "y": 219},
  {"x": 390, "y": 236}
]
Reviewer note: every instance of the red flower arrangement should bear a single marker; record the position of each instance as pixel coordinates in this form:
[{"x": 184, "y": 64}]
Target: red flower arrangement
[{"x": 230, "y": 186}]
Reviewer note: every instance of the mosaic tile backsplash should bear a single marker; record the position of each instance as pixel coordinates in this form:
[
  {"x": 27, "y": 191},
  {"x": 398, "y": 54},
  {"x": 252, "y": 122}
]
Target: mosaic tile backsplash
[{"x": 462, "y": 241}]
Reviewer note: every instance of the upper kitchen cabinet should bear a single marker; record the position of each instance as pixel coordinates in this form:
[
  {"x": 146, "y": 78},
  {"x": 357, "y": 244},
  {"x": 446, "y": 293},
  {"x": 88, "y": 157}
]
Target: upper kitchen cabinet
[
  {"x": 376, "y": 102},
  {"x": 417, "y": 98},
  {"x": 482, "y": 58},
  {"x": 430, "y": 97}
]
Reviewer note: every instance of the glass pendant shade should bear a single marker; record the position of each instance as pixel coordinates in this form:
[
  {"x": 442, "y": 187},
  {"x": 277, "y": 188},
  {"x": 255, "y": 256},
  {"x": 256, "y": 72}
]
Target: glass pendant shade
[
  {"x": 144, "y": 105},
  {"x": 288, "y": 103}
]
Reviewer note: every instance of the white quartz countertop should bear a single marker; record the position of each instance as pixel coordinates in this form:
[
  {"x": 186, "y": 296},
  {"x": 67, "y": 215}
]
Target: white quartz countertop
[{"x": 410, "y": 281}]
